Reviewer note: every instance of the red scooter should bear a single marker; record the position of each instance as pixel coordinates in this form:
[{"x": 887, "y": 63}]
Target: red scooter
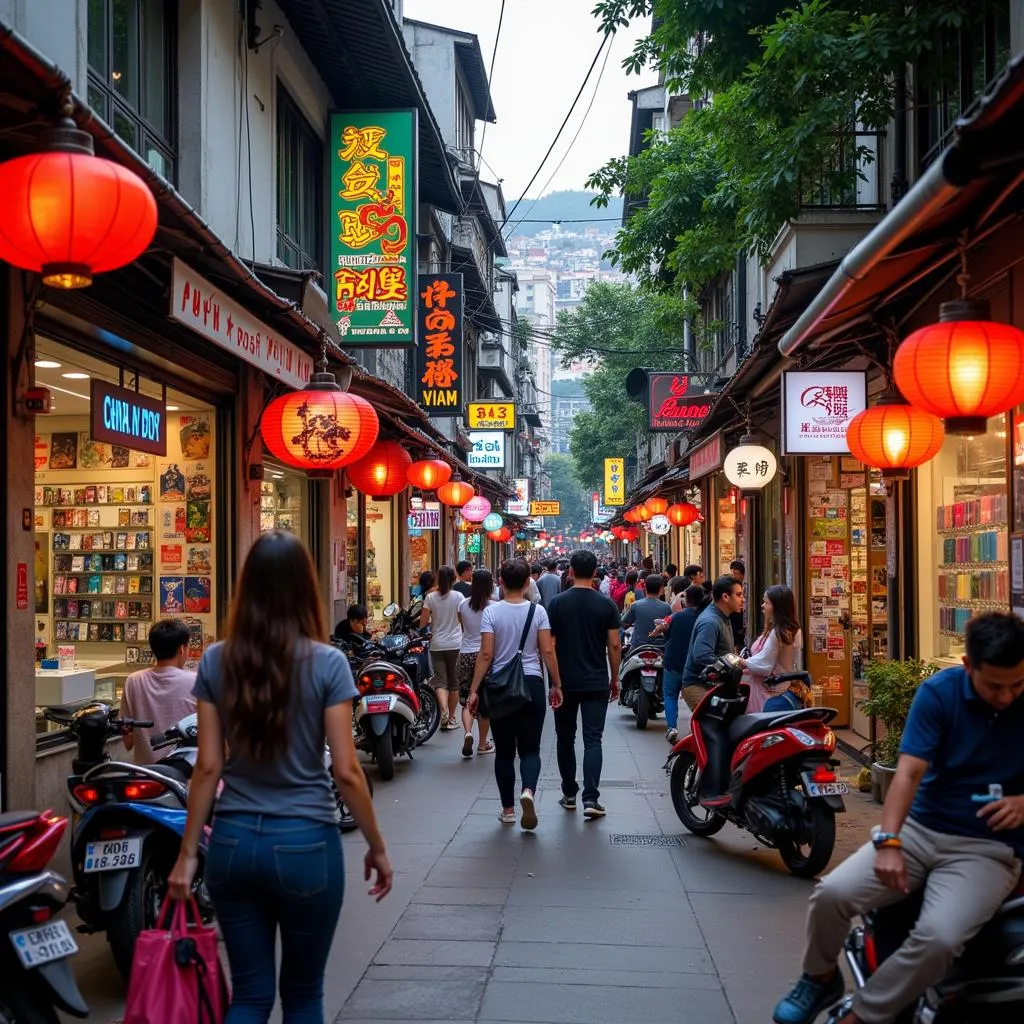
[{"x": 771, "y": 774}]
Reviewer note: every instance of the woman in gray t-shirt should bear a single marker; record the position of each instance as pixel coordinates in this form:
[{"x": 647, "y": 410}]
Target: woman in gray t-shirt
[{"x": 274, "y": 693}]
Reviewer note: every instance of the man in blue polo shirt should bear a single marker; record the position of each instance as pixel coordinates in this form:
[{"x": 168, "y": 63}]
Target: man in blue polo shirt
[{"x": 953, "y": 822}]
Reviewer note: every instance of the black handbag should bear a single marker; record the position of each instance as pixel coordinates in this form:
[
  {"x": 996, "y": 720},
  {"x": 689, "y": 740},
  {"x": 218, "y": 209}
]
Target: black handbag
[{"x": 504, "y": 692}]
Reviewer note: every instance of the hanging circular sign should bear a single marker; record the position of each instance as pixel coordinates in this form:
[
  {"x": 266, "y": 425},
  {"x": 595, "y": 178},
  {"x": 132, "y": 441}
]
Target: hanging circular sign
[
  {"x": 660, "y": 525},
  {"x": 493, "y": 521},
  {"x": 750, "y": 467}
]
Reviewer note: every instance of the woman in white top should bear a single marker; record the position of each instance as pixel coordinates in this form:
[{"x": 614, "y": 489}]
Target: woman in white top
[
  {"x": 471, "y": 614},
  {"x": 501, "y": 629},
  {"x": 441, "y": 610},
  {"x": 775, "y": 650}
]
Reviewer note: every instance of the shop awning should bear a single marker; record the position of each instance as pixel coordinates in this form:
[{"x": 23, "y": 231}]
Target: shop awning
[
  {"x": 479, "y": 304},
  {"x": 973, "y": 186}
]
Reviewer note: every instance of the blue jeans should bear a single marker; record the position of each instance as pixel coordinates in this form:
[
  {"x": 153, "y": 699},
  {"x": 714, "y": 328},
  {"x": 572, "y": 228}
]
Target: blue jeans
[
  {"x": 593, "y": 710},
  {"x": 268, "y": 874},
  {"x": 671, "y": 684}
]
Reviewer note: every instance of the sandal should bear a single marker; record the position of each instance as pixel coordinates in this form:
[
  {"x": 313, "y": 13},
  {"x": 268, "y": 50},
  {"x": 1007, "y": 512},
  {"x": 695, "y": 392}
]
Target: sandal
[{"x": 485, "y": 748}]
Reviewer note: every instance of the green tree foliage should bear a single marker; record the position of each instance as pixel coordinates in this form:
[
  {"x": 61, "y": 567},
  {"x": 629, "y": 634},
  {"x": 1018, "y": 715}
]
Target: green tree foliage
[
  {"x": 789, "y": 82},
  {"x": 566, "y": 488}
]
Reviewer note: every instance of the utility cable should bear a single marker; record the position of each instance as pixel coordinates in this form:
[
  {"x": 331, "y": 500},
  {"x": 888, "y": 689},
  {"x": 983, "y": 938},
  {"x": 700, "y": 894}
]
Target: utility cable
[{"x": 490, "y": 81}]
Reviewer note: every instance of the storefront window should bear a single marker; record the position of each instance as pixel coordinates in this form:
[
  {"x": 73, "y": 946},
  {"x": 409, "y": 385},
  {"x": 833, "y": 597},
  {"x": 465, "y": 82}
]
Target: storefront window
[
  {"x": 380, "y": 561},
  {"x": 729, "y": 528},
  {"x": 281, "y": 501}
]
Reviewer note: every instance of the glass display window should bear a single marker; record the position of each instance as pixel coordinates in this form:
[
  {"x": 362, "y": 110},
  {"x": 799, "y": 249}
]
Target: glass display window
[
  {"x": 282, "y": 500},
  {"x": 379, "y": 557},
  {"x": 729, "y": 528}
]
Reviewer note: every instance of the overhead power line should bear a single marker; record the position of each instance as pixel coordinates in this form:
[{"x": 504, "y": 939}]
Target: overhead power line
[{"x": 490, "y": 81}]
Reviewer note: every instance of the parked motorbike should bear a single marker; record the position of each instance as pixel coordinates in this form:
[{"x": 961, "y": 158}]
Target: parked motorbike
[
  {"x": 346, "y": 823},
  {"x": 771, "y": 774},
  {"x": 386, "y": 714},
  {"x": 35, "y": 977},
  {"x": 985, "y": 984},
  {"x": 130, "y": 820},
  {"x": 640, "y": 682}
]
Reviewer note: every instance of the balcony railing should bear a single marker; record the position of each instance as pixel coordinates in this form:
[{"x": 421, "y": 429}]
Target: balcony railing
[{"x": 851, "y": 176}]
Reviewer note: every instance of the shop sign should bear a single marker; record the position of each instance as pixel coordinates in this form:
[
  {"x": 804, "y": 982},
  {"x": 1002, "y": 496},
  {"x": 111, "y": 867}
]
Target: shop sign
[
  {"x": 677, "y": 401},
  {"x": 21, "y": 587},
  {"x": 473, "y": 544},
  {"x": 491, "y": 415},
  {"x": 439, "y": 350},
  {"x": 521, "y": 505},
  {"x": 206, "y": 310},
  {"x": 817, "y": 408},
  {"x": 426, "y": 518},
  {"x": 615, "y": 481},
  {"x": 127, "y": 418},
  {"x": 598, "y": 512},
  {"x": 537, "y": 523},
  {"x": 660, "y": 525},
  {"x": 373, "y": 203},
  {"x": 488, "y": 451},
  {"x": 707, "y": 457},
  {"x": 545, "y": 508}
]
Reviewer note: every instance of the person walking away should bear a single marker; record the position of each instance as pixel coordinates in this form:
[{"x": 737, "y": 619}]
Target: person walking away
[
  {"x": 952, "y": 826},
  {"x": 644, "y": 615},
  {"x": 464, "y": 578},
  {"x": 712, "y": 637},
  {"x": 550, "y": 583},
  {"x": 420, "y": 591},
  {"x": 441, "y": 610},
  {"x": 161, "y": 694},
  {"x": 274, "y": 692},
  {"x": 471, "y": 613},
  {"x": 617, "y": 591},
  {"x": 739, "y": 626},
  {"x": 630, "y": 596},
  {"x": 585, "y": 630},
  {"x": 774, "y": 651},
  {"x": 677, "y": 630},
  {"x": 501, "y": 633}
]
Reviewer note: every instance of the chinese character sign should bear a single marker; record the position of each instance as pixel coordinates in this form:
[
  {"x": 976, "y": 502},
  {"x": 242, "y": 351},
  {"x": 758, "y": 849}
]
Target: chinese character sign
[
  {"x": 817, "y": 408},
  {"x": 615, "y": 482},
  {"x": 439, "y": 346},
  {"x": 373, "y": 226}
]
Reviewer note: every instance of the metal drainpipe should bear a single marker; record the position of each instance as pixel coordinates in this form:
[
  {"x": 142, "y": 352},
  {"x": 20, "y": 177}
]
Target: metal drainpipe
[{"x": 898, "y": 185}]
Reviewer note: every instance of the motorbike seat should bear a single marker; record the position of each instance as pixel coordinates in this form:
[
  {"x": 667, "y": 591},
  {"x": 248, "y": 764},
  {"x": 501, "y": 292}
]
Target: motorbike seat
[
  {"x": 178, "y": 770},
  {"x": 748, "y": 725},
  {"x": 17, "y": 821}
]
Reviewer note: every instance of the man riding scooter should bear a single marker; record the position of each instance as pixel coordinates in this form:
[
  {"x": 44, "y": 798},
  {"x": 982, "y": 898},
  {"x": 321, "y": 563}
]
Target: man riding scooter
[{"x": 946, "y": 826}]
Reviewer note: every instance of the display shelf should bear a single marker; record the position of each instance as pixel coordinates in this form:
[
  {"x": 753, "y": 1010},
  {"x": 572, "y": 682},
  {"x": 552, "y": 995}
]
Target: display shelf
[
  {"x": 966, "y": 531},
  {"x": 945, "y": 568}
]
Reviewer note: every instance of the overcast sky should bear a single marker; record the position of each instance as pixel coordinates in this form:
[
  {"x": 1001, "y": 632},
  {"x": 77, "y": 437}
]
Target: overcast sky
[{"x": 545, "y": 49}]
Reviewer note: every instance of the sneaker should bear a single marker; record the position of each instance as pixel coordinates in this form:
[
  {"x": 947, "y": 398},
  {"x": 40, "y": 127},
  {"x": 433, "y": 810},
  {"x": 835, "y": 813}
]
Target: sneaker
[
  {"x": 672, "y": 735},
  {"x": 529, "y": 816},
  {"x": 808, "y": 999},
  {"x": 507, "y": 817},
  {"x": 568, "y": 802},
  {"x": 467, "y": 745},
  {"x": 593, "y": 809}
]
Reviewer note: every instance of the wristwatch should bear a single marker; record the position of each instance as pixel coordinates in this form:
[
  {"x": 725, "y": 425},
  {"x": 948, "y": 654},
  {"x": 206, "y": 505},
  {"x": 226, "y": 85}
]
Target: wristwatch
[{"x": 886, "y": 841}]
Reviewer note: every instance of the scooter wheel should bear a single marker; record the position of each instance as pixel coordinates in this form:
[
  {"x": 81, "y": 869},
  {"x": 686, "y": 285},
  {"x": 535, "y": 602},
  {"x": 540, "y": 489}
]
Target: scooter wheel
[
  {"x": 683, "y": 784},
  {"x": 385, "y": 756},
  {"x": 643, "y": 709},
  {"x": 809, "y": 856},
  {"x": 20, "y": 1007}
]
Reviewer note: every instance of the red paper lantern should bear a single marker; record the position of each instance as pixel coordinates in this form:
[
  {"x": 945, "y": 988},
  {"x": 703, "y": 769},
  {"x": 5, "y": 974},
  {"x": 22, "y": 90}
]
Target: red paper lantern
[
  {"x": 382, "y": 470},
  {"x": 656, "y": 506},
  {"x": 321, "y": 428},
  {"x": 643, "y": 513},
  {"x": 894, "y": 437},
  {"x": 429, "y": 474},
  {"x": 964, "y": 369},
  {"x": 632, "y": 534},
  {"x": 456, "y": 493},
  {"x": 682, "y": 514},
  {"x": 501, "y": 535},
  {"x": 631, "y": 515},
  {"x": 68, "y": 215}
]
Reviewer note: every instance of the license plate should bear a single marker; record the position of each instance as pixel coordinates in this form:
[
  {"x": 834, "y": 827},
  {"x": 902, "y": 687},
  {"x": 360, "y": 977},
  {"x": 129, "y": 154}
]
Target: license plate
[
  {"x": 378, "y": 705},
  {"x": 812, "y": 788},
  {"x": 649, "y": 675},
  {"x": 41, "y": 945},
  {"x": 113, "y": 855}
]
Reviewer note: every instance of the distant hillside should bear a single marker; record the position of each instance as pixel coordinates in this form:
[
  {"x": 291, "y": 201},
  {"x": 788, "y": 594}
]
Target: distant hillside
[{"x": 565, "y": 206}]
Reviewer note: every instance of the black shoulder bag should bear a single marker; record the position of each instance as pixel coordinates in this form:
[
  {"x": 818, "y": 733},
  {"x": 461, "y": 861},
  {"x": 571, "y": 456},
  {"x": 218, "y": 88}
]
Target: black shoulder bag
[{"x": 505, "y": 691}]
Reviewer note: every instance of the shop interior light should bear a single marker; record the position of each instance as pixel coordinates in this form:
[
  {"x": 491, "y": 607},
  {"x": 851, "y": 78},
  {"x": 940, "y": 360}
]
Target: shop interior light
[
  {"x": 47, "y": 364},
  {"x": 750, "y": 466},
  {"x": 74, "y": 376},
  {"x": 894, "y": 437},
  {"x": 173, "y": 408},
  {"x": 382, "y": 471}
]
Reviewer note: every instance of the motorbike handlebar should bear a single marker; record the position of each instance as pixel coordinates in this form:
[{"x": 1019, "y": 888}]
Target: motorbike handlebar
[
  {"x": 168, "y": 741},
  {"x": 132, "y": 723}
]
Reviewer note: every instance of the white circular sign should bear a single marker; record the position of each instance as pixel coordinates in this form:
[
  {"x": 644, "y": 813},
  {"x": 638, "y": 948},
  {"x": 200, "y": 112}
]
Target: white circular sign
[
  {"x": 750, "y": 467},
  {"x": 660, "y": 525}
]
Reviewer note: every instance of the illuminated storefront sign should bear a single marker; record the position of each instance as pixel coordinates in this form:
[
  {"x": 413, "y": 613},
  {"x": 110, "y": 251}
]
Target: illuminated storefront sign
[
  {"x": 123, "y": 417},
  {"x": 677, "y": 401},
  {"x": 439, "y": 347},
  {"x": 491, "y": 415},
  {"x": 817, "y": 407}
]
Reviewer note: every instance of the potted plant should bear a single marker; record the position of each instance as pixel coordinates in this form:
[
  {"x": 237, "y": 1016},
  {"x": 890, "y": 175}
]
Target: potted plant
[{"x": 891, "y": 688}]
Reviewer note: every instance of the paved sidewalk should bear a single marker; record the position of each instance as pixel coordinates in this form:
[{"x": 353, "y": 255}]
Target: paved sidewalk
[{"x": 621, "y": 920}]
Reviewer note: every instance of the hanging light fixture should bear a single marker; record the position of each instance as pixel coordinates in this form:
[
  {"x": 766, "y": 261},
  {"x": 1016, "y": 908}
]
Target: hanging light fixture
[
  {"x": 455, "y": 493},
  {"x": 382, "y": 471},
  {"x": 643, "y": 513},
  {"x": 477, "y": 509},
  {"x": 67, "y": 214},
  {"x": 658, "y": 506},
  {"x": 750, "y": 466},
  {"x": 894, "y": 437},
  {"x": 682, "y": 514},
  {"x": 429, "y": 474}
]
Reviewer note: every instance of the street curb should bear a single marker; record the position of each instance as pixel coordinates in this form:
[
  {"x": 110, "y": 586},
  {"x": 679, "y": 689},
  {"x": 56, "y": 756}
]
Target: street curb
[{"x": 853, "y": 753}]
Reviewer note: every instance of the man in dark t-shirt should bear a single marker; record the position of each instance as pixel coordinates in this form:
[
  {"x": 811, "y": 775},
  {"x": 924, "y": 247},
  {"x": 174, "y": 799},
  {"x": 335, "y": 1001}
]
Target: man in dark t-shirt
[
  {"x": 585, "y": 628},
  {"x": 464, "y": 578}
]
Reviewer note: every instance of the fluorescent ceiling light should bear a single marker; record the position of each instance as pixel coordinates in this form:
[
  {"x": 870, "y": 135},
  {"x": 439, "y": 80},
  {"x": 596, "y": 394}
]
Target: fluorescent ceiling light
[
  {"x": 47, "y": 364},
  {"x": 172, "y": 408}
]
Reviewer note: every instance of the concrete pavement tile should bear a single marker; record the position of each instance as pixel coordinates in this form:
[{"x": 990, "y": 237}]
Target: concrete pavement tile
[
  {"x": 450, "y": 895},
  {"x": 471, "y": 871},
  {"x": 435, "y": 972},
  {"x": 617, "y": 979},
  {"x": 415, "y": 1000},
  {"x": 574, "y": 1004},
  {"x": 432, "y": 921},
  {"x": 413, "y": 858},
  {"x": 440, "y": 953},
  {"x": 605, "y": 957},
  {"x": 669, "y": 928},
  {"x": 526, "y": 892}
]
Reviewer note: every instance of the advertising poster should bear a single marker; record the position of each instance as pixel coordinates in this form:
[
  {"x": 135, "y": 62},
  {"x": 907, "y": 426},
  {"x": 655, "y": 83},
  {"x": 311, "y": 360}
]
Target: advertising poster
[
  {"x": 439, "y": 348},
  {"x": 521, "y": 505},
  {"x": 817, "y": 407}
]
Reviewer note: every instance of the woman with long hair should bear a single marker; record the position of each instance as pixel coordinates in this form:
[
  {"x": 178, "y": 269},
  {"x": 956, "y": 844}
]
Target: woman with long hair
[
  {"x": 273, "y": 692},
  {"x": 423, "y": 587},
  {"x": 501, "y": 629},
  {"x": 471, "y": 613},
  {"x": 775, "y": 650},
  {"x": 441, "y": 610}
]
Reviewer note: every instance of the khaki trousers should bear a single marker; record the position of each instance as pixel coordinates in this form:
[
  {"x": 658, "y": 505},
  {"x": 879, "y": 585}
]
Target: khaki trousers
[{"x": 965, "y": 881}]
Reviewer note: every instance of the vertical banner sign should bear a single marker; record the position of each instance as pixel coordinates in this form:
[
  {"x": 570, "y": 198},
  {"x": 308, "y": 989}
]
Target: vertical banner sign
[
  {"x": 439, "y": 347},
  {"x": 373, "y": 200},
  {"x": 615, "y": 482}
]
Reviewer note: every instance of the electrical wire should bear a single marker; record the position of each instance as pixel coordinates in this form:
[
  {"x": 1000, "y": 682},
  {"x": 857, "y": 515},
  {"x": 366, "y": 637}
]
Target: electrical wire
[{"x": 490, "y": 81}]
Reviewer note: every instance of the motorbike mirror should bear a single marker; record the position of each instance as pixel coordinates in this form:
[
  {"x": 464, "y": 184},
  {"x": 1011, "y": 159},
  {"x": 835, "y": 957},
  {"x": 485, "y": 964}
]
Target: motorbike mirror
[{"x": 390, "y": 611}]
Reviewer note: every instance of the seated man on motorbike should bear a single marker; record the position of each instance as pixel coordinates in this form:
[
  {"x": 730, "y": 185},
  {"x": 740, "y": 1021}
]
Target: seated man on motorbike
[
  {"x": 352, "y": 628},
  {"x": 946, "y": 827}
]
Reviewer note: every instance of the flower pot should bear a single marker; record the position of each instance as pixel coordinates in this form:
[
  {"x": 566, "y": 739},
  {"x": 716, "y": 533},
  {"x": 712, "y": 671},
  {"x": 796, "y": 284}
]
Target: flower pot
[{"x": 881, "y": 779}]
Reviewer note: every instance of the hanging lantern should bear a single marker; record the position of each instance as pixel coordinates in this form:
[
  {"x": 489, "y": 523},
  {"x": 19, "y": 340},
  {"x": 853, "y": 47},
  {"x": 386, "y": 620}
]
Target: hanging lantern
[
  {"x": 320, "y": 428},
  {"x": 382, "y": 470},
  {"x": 429, "y": 474},
  {"x": 493, "y": 521},
  {"x": 750, "y": 466},
  {"x": 643, "y": 514},
  {"x": 657, "y": 506},
  {"x": 630, "y": 515},
  {"x": 682, "y": 514},
  {"x": 633, "y": 533},
  {"x": 477, "y": 509},
  {"x": 964, "y": 369},
  {"x": 456, "y": 493},
  {"x": 68, "y": 214},
  {"x": 501, "y": 535},
  {"x": 894, "y": 437}
]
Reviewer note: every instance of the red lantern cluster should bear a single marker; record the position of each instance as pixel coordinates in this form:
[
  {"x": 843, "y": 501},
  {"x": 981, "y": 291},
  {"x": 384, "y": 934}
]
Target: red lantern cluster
[
  {"x": 656, "y": 506},
  {"x": 682, "y": 514},
  {"x": 429, "y": 474},
  {"x": 382, "y": 471}
]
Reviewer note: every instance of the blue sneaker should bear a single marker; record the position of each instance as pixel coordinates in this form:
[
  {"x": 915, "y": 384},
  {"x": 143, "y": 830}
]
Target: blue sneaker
[{"x": 808, "y": 999}]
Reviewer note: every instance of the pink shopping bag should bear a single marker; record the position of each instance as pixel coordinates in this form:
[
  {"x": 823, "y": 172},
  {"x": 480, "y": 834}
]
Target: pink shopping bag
[{"x": 176, "y": 973}]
